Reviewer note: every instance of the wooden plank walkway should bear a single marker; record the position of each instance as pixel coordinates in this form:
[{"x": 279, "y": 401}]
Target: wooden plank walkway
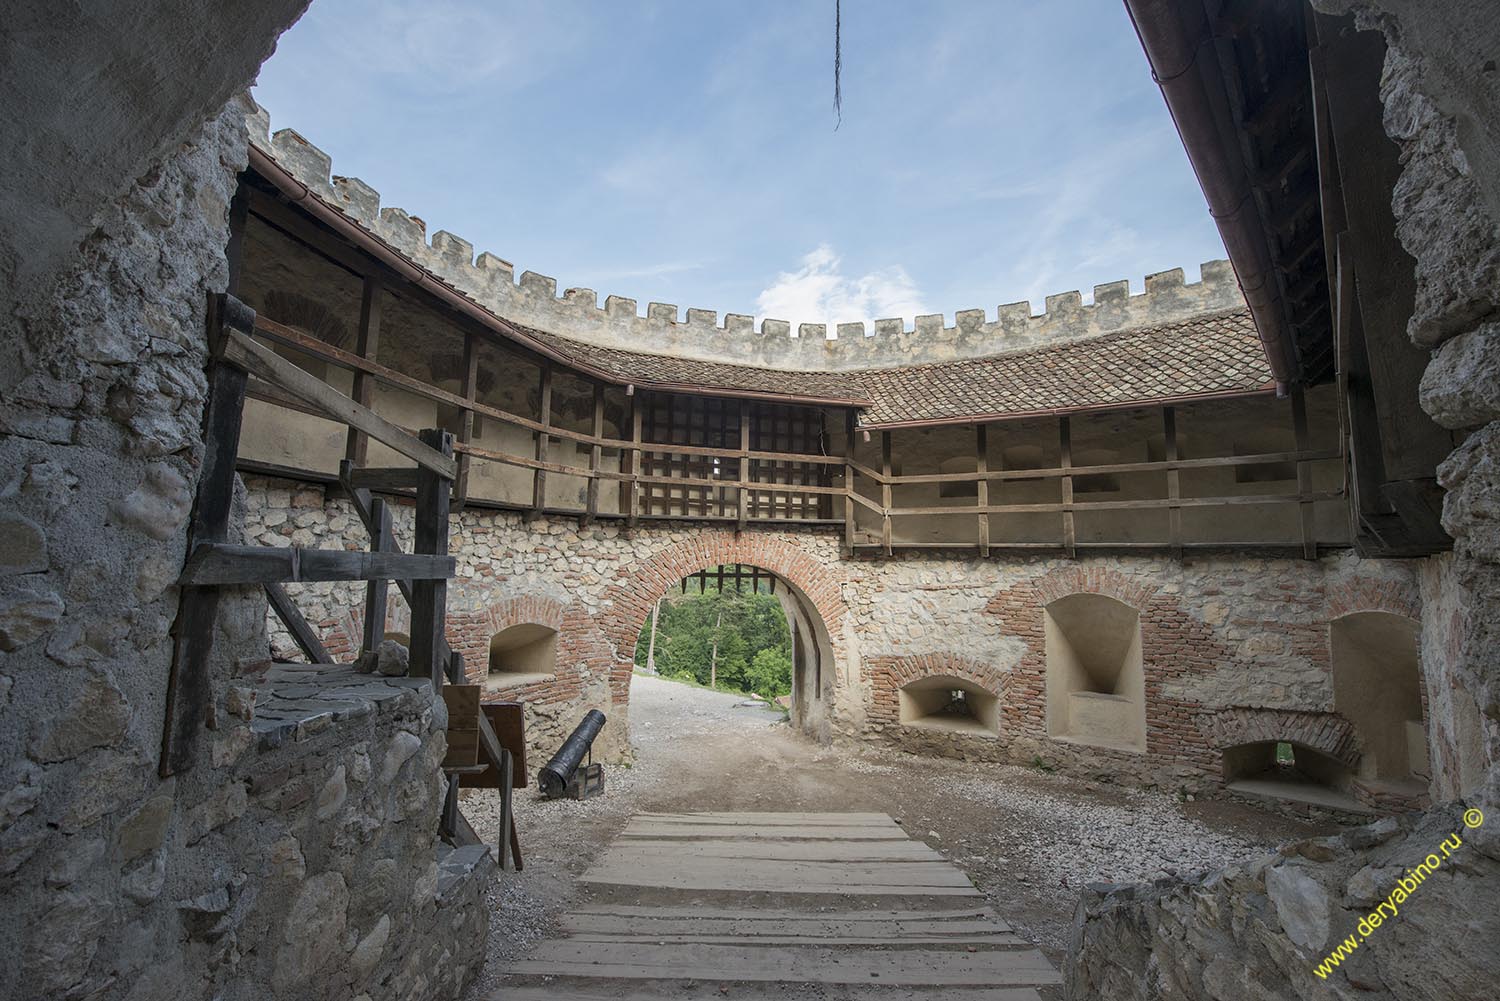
[{"x": 749, "y": 905}]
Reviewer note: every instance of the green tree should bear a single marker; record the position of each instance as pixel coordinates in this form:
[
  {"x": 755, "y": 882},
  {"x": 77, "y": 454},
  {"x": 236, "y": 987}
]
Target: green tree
[{"x": 720, "y": 635}]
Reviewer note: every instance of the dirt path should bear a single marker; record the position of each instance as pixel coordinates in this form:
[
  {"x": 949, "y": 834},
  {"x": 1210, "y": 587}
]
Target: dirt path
[{"x": 1028, "y": 839}]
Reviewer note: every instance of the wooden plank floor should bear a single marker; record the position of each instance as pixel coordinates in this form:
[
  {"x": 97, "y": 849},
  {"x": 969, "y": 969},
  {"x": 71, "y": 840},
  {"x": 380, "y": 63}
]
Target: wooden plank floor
[{"x": 761, "y": 905}]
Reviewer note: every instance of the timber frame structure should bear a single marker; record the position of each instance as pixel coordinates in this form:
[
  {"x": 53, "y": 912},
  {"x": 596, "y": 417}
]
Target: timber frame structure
[{"x": 734, "y": 451}]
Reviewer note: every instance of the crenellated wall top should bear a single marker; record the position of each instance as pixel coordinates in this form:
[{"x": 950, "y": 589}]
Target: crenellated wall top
[{"x": 532, "y": 299}]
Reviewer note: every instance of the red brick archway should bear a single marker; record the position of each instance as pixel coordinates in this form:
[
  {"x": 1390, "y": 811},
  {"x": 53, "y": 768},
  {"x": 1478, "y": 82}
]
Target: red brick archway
[{"x": 637, "y": 586}]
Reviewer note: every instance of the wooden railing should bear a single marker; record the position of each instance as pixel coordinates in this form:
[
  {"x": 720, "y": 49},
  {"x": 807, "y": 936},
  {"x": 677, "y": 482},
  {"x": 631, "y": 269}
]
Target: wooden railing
[{"x": 752, "y": 479}]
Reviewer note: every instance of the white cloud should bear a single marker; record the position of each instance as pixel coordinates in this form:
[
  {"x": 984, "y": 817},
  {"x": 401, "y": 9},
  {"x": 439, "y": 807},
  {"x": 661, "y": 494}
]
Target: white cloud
[{"x": 819, "y": 292}]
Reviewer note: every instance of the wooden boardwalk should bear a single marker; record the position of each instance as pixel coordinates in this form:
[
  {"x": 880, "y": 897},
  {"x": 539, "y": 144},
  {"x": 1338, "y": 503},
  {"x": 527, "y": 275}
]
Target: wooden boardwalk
[{"x": 760, "y": 905}]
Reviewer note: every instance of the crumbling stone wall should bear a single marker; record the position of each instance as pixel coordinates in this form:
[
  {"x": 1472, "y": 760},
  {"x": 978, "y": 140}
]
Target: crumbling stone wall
[
  {"x": 1257, "y": 931},
  {"x": 1220, "y": 632},
  {"x": 262, "y": 872}
]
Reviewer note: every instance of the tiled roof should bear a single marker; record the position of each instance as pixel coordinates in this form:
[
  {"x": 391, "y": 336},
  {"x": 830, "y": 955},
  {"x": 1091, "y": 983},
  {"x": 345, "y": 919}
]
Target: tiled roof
[
  {"x": 639, "y": 367},
  {"x": 1207, "y": 355}
]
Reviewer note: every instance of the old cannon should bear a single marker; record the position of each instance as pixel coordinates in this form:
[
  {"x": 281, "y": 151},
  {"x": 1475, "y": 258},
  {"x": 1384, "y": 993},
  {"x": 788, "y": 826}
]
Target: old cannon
[{"x": 563, "y": 775}]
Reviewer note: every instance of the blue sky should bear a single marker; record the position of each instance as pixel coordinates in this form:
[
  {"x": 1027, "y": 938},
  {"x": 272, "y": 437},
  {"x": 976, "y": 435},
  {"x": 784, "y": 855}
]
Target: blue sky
[{"x": 684, "y": 150}]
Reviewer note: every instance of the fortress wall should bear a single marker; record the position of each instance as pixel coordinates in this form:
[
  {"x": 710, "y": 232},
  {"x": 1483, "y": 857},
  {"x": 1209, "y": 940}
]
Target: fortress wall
[
  {"x": 533, "y": 300},
  {"x": 271, "y": 869},
  {"x": 1218, "y": 631}
]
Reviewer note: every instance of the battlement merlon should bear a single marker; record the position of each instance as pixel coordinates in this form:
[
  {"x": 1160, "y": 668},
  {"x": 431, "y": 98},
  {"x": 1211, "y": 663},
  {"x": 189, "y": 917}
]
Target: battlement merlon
[{"x": 533, "y": 300}]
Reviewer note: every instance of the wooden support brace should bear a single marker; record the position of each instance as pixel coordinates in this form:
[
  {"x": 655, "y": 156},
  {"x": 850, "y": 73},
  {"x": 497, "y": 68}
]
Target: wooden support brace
[
  {"x": 543, "y": 440},
  {"x": 357, "y": 444},
  {"x": 189, "y": 695},
  {"x": 1065, "y": 442},
  {"x": 429, "y": 601},
  {"x": 596, "y": 454},
  {"x": 302, "y": 633},
  {"x": 885, "y": 492},
  {"x": 466, "y": 427},
  {"x": 240, "y": 350},
  {"x": 377, "y": 591},
  {"x": 225, "y": 563},
  {"x": 633, "y": 504},
  {"x": 384, "y": 479},
  {"x": 742, "y": 495},
  {"x": 982, "y": 487},
  {"x": 1174, "y": 485}
]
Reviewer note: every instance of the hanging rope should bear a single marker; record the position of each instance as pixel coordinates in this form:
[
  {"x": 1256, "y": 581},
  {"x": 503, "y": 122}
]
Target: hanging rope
[{"x": 838, "y": 64}]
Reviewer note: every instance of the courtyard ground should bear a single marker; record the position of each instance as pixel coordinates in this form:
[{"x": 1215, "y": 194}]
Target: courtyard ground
[{"x": 1028, "y": 839}]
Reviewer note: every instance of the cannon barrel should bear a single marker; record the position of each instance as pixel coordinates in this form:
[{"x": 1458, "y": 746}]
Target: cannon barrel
[{"x": 553, "y": 776}]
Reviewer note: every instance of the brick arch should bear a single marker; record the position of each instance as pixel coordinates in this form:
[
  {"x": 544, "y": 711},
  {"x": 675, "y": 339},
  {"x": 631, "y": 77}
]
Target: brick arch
[
  {"x": 1129, "y": 590},
  {"x": 1329, "y": 733},
  {"x": 538, "y": 609},
  {"x": 1367, "y": 594},
  {"x": 888, "y": 675},
  {"x": 636, "y": 587}
]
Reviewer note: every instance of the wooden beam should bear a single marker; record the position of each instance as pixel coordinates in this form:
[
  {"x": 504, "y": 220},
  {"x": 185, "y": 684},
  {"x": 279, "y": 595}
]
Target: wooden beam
[
  {"x": 302, "y": 633},
  {"x": 1304, "y": 476},
  {"x": 377, "y": 591},
  {"x": 850, "y": 429},
  {"x": 1174, "y": 484},
  {"x": 596, "y": 454},
  {"x": 225, "y": 563},
  {"x": 367, "y": 344},
  {"x": 982, "y": 487},
  {"x": 429, "y": 646},
  {"x": 633, "y": 505},
  {"x": 466, "y": 425},
  {"x": 1065, "y": 446},
  {"x": 240, "y": 350},
  {"x": 539, "y": 475},
  {"x": 386, "y": 479},
  {"x": 189, "y": 692},
  {"x": 885, "y": 491},
  {"x": 742, "y": 497}
]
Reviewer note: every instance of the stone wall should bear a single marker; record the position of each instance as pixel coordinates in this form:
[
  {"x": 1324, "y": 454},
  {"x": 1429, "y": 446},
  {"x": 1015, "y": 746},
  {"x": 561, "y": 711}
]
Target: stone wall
[
  {"x": 262, "y": 870},
  {"x": 1219, "y": 632},
  {"x": 1258, "y": 931}
]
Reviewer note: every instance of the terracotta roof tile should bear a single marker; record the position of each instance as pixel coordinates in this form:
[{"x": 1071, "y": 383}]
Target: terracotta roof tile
[{"x": 1205, "y": 355}]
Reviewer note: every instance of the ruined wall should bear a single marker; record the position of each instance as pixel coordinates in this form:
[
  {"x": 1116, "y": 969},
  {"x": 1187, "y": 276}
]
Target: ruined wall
[
  {"x": 268, "y": 869},
  {"x": 1257, "y": 931},
  {"x": 1218, "y": 632}
]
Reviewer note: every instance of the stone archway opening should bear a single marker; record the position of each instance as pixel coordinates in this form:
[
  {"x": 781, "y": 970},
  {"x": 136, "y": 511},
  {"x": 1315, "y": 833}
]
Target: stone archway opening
[
  {"x": 944, "y": 702},
  {"x": 1290, "y": 772},
  {"x": 1377, "y": 686},
  {"x": 1096, "y": 685},
  {"x": 742, "y": 628},
  {"x": 521, "y": 655}
]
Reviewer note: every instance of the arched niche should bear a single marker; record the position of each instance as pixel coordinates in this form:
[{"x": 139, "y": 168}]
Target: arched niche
[
  {"x": 522, "y": 654},
  {"x": 1377, "y": 686},
  {"x": 1290, "y": 772},
  {"x": 1096, "y": 685},
  {"x": 943, "y": 702}
]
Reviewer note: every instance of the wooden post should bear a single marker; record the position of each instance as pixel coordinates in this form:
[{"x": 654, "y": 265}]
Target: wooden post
[
  {"x": 596, "y": 454},
  {"x": 429, "y": 647},
  {"x": 742, "y": 495},
  {"x": 850, "y": 420},
  {"x": 1174, "y": 486},
  {"x": 885, "y": 491},
  {"x": 543, "y": 440},
  {"x": 1065, "y": 442},
  {"x": 189, "y": 694},
  {"x": 357, "y": 443},
  {"x": 1304, "y": 476},
  {"x": 377, "y": 590},
  {"x": 982, "y": 486},
  {"x": 466, "y": 427},
  {"x": 633, "y": 507}
]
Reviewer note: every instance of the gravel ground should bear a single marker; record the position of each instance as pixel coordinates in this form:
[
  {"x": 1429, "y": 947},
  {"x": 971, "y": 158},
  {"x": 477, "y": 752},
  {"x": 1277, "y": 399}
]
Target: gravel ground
[{"x": 1028, "y": 839}]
